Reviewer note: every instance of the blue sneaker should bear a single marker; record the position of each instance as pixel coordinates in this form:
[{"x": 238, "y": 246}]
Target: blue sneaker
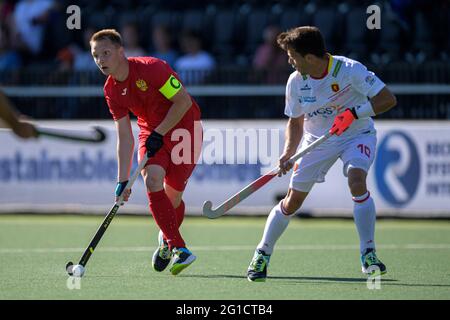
[
  {"x": 162, "y": 255},
  {"x": 182, "y": 258},
  {"x": 370, "y": 264},
  {"x": 257, "y": 270}
]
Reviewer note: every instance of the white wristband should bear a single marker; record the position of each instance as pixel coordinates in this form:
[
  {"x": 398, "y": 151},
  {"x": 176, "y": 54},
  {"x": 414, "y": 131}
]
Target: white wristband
[{"x": 365, "y": 110}]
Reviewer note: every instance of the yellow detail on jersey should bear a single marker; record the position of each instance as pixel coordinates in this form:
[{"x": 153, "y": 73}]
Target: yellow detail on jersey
[
  {"x": 330, "y": 63},
  {"x": 171, "y": 87},
  {"x": 142, "y": 85},
  {"x": 91, "y": 249}
]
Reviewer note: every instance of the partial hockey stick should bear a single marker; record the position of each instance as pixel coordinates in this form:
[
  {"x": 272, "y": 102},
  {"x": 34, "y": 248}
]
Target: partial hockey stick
[
  {"x": 106, "y": 222},
  {"x": 99, "y": 135},
  {"x": 255, "y": 185}
]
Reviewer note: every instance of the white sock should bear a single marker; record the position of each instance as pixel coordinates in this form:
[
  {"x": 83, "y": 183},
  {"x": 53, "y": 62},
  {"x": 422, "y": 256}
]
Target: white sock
[
  {"x": 365, "y": 216},
  {"x": 276, "y": 223}
]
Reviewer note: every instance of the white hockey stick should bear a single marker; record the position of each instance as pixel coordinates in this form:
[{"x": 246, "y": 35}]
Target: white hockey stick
[{"x": 255, "y": 185}]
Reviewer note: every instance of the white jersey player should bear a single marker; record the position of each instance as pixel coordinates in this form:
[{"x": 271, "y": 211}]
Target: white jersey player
[{"x": 326, "y": 94}]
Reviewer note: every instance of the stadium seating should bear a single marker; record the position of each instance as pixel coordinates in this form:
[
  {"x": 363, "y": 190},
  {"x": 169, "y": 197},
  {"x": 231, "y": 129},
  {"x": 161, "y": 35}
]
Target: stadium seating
[
  {"x": 233, "y": 29},
  {"x": 236, "y": 27},
  {"x": 356, "y": 32}
]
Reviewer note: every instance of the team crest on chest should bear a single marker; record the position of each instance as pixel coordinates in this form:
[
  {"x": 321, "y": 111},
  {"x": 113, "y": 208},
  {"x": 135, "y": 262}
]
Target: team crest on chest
[
  {"x": 142, "y": 85},
  {"x": 335, "y": 87}
]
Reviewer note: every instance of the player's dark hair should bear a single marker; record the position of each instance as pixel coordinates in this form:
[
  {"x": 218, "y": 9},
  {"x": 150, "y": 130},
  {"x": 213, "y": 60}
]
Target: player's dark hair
[
  {"x": 304, "y": 40},
  {"x": 108, "y": 34}
]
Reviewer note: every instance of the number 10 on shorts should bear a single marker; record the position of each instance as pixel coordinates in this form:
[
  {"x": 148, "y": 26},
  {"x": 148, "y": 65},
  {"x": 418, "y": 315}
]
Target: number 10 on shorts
[{"x": 364, "y": 149}]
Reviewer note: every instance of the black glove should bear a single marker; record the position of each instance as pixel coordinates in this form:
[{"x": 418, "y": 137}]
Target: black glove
[{"x": 153, "y": 143}]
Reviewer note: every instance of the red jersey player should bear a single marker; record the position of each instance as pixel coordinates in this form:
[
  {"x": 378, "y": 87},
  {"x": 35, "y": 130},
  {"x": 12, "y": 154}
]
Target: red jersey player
[{"x": 152, "y": 91}]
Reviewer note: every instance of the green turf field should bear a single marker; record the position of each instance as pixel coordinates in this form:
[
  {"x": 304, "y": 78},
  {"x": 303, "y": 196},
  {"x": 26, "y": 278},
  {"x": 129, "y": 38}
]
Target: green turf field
[{"x": 314, "y": 259}]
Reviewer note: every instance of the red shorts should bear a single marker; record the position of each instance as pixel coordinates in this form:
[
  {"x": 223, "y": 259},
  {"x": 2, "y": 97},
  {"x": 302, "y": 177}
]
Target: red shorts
[{"x": 177, "y": 175}]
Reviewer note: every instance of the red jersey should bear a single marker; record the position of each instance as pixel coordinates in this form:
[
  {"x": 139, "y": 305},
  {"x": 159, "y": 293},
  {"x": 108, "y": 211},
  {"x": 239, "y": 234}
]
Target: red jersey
[{"x": 146, "y": 92}]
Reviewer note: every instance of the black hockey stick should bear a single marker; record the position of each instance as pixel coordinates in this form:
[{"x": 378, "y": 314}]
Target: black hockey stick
[
  {"x": 106, "y": 222},
  {"x": 99, "y": 135}
]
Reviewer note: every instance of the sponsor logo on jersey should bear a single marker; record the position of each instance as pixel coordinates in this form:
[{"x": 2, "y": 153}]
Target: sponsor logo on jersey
[
  {"x": 370, "y": 80},
  {"x": 335, "y": 87},
  {"x": 324, "y": 112},
  {"x": 397, "y": 168},
  {"x": 309, "y": 99},
  {"x": 305, "y": 87},
  {"x": 142, "y": 85}
]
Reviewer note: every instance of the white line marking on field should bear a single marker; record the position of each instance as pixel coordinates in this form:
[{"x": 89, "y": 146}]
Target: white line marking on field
[{"x": 410, "y": 246}]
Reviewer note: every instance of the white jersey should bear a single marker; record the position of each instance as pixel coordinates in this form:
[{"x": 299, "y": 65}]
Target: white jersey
[{"x": 347, "y": 84}]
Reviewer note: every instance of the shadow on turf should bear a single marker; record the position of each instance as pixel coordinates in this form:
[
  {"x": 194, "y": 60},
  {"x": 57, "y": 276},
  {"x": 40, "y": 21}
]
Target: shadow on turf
[
  {"x": 333, "y": 279},
  {"x": 390, "y": 282}
]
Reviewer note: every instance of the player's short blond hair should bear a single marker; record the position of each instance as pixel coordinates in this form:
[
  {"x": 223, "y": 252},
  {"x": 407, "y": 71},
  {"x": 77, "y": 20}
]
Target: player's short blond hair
[{"x": 107, "y": 34}]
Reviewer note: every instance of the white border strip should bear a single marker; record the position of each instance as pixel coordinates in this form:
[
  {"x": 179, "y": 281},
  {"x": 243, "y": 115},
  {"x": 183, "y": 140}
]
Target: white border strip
[{"x": 133, "y": 209}]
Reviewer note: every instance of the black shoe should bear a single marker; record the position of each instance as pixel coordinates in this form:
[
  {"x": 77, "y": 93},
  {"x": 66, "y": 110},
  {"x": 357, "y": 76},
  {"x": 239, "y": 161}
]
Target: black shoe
[{"x": 161, "y": 257}]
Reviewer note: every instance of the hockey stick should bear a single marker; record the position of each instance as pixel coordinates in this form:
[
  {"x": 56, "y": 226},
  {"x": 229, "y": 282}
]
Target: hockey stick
[
  {"x": 98, "y": 136},
  {"x": 106, "y": 222},
  {"x": 58, "y": 133},
  {"x": 255, "y": 185}
]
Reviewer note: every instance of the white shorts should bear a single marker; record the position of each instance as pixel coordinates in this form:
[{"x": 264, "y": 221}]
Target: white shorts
[{"x": 355, "y": 152}]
